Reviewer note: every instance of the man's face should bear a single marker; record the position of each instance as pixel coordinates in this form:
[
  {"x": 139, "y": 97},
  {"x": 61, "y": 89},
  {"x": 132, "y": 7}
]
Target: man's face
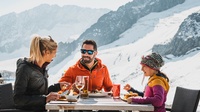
[{"x": 88, "y": 54}]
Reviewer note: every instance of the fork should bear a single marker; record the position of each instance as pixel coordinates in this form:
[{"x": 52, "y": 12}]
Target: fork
[{"x": 65, "y": 93}]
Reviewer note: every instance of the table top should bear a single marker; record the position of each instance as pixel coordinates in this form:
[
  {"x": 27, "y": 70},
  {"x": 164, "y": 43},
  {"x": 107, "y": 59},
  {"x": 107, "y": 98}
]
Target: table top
[{"x": 98, "y": 103}]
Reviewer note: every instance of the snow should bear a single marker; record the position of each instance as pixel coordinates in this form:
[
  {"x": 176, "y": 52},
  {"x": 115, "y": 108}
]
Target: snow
[{"x": 123, "y": 56}]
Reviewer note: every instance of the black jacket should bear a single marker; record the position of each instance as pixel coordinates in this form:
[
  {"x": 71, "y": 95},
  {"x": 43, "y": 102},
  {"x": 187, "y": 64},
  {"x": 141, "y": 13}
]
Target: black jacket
[{"x": 31, "y": 86}]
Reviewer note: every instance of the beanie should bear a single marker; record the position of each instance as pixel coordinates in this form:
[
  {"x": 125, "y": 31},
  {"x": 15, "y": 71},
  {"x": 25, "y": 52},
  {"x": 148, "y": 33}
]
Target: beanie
[{"x": 153, "y": 61}]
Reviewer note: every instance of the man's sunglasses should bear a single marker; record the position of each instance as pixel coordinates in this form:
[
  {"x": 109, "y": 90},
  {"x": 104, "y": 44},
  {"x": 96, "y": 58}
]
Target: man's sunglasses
[{"x": 90, "y": 52}]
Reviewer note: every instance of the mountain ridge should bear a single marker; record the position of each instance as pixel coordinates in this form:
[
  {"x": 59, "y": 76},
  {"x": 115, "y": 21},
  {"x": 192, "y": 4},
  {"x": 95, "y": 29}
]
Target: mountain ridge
[
  {"x": 186, "y": 38},
  {"x": 59, "y": 22}
]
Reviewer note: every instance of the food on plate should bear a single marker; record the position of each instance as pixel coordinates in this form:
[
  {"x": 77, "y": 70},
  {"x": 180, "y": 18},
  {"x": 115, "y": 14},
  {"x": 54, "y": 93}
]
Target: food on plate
[
  {"x": 96, "y": 91},
  {"x": 71, "y": 98},
  {"x": 71, "y": 94},
  {"x": 130, "y": 94},
  {"x": 67, "y": 92},
  {"x": 75, "y": 93},
  {"x": 62, "y": 98},
  {"x": 60, "y": 92},
  {"x": 68, "y": 95}
]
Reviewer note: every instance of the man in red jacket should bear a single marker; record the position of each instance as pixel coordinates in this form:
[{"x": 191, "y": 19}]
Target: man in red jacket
[{"x": 91, "y": 66}]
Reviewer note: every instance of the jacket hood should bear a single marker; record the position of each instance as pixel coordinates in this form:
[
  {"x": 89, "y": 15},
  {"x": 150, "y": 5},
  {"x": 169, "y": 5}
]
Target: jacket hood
[
  {"x": 23, "y": 61},
  {"x": 158, "y": 80}
]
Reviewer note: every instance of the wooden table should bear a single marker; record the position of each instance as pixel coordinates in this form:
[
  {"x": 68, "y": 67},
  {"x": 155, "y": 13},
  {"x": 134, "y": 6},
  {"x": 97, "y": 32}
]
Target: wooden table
[{"x": 98, "y": 103}]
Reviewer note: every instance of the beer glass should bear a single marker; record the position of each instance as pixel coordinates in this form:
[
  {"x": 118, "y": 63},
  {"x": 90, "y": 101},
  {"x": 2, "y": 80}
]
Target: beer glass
[{"x": 84, "y": 93}]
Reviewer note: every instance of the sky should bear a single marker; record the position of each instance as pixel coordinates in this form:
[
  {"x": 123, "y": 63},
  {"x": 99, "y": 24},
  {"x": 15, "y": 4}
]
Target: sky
[{"x": 7, "y": 6}]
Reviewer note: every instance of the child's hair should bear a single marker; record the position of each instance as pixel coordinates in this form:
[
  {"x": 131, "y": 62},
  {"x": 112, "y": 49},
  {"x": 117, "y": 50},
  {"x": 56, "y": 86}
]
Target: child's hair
[{"x": 162, "y": 75}]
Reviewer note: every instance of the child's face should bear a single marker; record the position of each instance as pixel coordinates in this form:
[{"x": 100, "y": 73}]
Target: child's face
[{"x": 147, "y": 70}]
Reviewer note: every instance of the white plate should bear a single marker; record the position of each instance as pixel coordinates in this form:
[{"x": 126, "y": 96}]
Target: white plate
[
  {"x": 61, "y": 102},
  {"x": 99, "y": 94}
]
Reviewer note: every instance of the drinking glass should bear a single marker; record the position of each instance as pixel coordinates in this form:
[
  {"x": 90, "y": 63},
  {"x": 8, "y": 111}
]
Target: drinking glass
[
  {"x": 116, "y": 90},
  {"x": 84, "y": 93},
  {"x": 79, "y": 82}
]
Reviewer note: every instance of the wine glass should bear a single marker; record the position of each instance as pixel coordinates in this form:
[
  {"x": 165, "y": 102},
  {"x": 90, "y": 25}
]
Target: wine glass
[{"x": 79, "y": 82}]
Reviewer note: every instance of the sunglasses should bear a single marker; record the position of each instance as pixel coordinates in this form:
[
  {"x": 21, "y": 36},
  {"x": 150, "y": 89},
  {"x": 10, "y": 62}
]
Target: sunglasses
[{"x": 90, "y": 52}]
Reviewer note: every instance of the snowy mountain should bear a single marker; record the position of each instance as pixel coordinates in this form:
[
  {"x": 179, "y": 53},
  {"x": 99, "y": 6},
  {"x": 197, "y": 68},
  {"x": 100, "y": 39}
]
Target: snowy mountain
[
  {"x": 109, "y": 26},
  {"x": 122, "y": 56},
  {"x": 62, "y": 23},
  {"x": 186, "y": 40}
]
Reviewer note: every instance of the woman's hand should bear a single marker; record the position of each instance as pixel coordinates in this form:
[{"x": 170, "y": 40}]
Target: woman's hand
[
  {"x": 52, "y": 96},
  {"x": 127, "y": 87}
]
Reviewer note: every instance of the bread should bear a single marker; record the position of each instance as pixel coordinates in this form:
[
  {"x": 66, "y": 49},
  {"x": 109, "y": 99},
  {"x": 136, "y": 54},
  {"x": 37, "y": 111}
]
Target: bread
[{"x": 130, "y": 94}]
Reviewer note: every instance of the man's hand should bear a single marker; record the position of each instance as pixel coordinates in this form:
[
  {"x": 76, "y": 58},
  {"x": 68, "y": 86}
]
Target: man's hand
[{"x": 65, "y": 85}]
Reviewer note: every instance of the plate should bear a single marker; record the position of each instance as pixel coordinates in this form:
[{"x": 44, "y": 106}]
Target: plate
[
  {"x": 62, "y": 99},
  {"x": 69, "y": 98},
  {"x": 123, "y": 99},
  {"x": 102, "y": 94},
  {"x": 61, "y": 102}
]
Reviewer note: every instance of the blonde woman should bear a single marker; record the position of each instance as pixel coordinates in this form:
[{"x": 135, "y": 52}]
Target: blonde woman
[{"x": 31, "y": 90}]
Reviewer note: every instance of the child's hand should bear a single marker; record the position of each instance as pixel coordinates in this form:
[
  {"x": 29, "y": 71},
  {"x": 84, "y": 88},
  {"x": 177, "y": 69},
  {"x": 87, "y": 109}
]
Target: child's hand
[
  {"x": 127, "y": 87},
  {"x": 129, "y": 100}
]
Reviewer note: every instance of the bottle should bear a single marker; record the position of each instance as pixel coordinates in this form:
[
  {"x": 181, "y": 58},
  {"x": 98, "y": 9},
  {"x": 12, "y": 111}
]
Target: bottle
[{"x": 84, "y": 93}]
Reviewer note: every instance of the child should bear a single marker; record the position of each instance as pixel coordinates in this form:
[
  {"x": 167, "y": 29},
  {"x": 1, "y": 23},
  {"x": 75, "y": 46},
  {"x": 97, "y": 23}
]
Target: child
[{"x": 157, "y": 87}]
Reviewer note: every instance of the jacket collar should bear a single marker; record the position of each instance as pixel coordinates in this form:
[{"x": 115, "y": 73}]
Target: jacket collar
[
  {"x": 86, "y": 67},
  {"x": 27, "y": 62},
  {"x": 97, "y": 64}
]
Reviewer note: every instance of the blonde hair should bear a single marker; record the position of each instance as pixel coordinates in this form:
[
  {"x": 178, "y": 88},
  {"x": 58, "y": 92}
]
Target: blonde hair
[{"x": 39, "y": 45}]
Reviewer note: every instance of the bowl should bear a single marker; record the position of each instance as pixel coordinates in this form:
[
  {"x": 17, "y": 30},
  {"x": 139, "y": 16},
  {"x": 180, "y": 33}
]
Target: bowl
[{"x": 72, "y": 98}]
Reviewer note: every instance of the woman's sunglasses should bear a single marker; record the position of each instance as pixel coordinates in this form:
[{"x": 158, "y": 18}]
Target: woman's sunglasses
[{"x": 90, "y": 52}]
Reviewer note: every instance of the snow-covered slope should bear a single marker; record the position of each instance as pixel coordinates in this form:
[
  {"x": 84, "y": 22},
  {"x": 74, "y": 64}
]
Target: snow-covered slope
[{"x": 123, "y": 56}]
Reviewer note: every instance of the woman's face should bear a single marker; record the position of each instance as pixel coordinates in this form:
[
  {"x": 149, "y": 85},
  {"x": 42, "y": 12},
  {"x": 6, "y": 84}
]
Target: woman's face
[
  {"x": 147, "y": 70},
  {"x": 50, "y": 55}
]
